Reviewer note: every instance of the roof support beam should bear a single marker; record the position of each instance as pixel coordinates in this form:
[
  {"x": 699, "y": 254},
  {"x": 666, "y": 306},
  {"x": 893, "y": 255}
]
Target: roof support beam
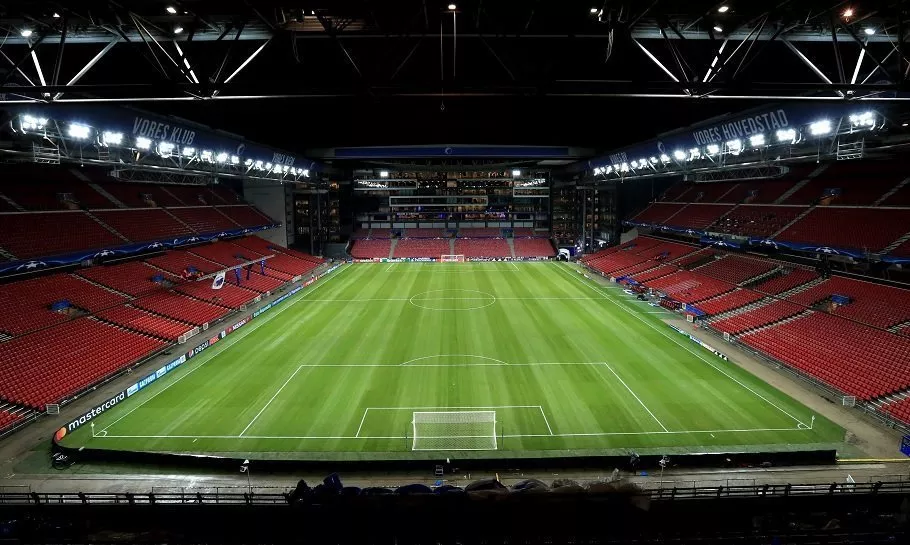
[
  {"x": 88, "y": 66},
  {"x": 799, "y": 54}
]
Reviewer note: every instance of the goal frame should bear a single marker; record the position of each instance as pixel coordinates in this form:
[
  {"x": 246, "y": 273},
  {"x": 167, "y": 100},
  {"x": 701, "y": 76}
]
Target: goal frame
[
  {"x": 452, "y": 258},
  {"x": 490, "y": 420}
]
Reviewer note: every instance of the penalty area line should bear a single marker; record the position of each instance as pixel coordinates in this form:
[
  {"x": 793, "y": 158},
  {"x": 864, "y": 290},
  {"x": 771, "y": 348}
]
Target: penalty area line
[{"x": 262, "y": 410}]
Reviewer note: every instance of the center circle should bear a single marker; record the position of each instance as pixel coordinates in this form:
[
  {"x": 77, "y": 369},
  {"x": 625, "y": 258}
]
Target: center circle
[{"x": 452, "y": 299}]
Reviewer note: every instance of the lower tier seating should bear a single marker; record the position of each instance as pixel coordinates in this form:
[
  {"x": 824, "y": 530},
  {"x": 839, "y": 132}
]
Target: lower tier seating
[
  {"x": 533, "y": 247},
  {"x": 755, "y": 318},
  {"x": 659, "y": 272},
  {"x": 181, "y": 307},
  {"x": 38, "y": 370},
  {"x": 899, "y": 409},
  {"x": 175, "y": 262},
  {"x": 854, "y": 358},
  {"x": 372, "y": 248},
  {"x": 483, "y": 247},
  {"x": 7, "y": 419},
  {"x": 728, "y": 301},
  {"x": 134, "y": 278},
  {"x": 230, "y": 295},
  {"x": 422, "y": 247},
  {"x": 688, "y": 287},
  {"x": 145, "y": 322}
]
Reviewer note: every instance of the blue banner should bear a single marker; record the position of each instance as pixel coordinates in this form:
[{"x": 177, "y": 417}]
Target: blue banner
[
  {"x": 24, "y": 266},
  {"x": 805, "y": 247},
  {"x": 897, "y": 260},
  {"x": 719, "y": 242}
]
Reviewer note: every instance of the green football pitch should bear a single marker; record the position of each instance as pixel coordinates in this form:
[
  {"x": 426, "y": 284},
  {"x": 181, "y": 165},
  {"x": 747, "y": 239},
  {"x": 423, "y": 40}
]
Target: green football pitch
[{"x": 488, "y": 358}]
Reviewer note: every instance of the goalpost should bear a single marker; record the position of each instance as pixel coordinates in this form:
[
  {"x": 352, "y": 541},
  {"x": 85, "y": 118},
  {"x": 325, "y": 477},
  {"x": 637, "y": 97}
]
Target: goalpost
[
  {"x": 454, "y": 430},
  {"x": 456, "y": 258}
]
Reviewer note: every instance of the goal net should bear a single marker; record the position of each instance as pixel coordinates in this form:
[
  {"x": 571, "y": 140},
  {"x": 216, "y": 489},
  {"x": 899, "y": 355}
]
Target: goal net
[
  {"x": 454, "y": 430},
  {"x": 452, "y": 258}
]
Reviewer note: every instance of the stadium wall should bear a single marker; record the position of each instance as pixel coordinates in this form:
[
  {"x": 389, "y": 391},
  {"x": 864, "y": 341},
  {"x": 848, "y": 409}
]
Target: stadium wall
[{"x": 274, "y": 201}]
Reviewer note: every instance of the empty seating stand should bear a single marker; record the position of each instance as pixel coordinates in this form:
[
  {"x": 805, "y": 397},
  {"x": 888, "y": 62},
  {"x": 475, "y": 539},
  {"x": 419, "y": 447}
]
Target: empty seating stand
[
  {"x": 658, "y": 213},
  {"x": 870, "y": 229},
  {"x": 899, "y": 409},
  {"x": 145, "y": 322},
  {"x": 422, "y": 247},
  {"x": 736, "y": 269},
  {"x": 873, "y": 304},
  {"x": 43, "y": 234},
  {"x": 245, "y": 216},
  {"x": 137, "y": 195},
  {"x": 134, "y": 278},
  {"x": 37, "y": 372},
  {"x": 371, "y": 249},
  {"x": 181, "y": 307},
  {"x": 688, "y": 287},
  {"x": 729, "y": 301},
  {"x": 757, "y": 220},
  {"x": 483, "y": 247},
  {"x": 204, "y": 219},
  {"x": 144, "y": 225},
  {"x": 699, "y": 216},
  {"x": 757, "y": 317},
  {"x": 533, "y": 247},
  {"x": 176, "y": 261},
  {"x": 788, "y": 280}
]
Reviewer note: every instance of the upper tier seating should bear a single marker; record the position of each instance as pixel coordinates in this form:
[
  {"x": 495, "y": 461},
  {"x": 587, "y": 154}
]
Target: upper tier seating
[
  {"x": 523, "y": 232},
  {"x": 224, "y": 195},
  {"x": 193, "y": 195},
  {"x": 736, "y": 269},
  {"x": 381, "y": 233},
  {"x": 225, "y": 253},
  {"x": 854, "y": 358},
  {"x": 485, "y": 247},
  {"x": 786, "y": 282},
  {"x": 658, "y": 213},
  {"x": 873, "y": 304},
  {"x": 52, "y": 233},
  {"x": 699, "y": 216},
  {"x": 688, "y": 287},
  {"x": 143, "y": 225},
  {"x": 768, "y": 314},
  {"x": 425, "y": 247},
  {"x": 869, "y": 228},
  {"x": 181, "y": 307},
  {"x": 533, "y": 247},
  {"x": 900, "y": 198},
  {"x": 757, "y": 221},
  {"x": 693, "y": 258},
  {"x": 27, "y": 304},
  {"x": 38, "y": 370},
  {"x": 903, "y": 250},
  {"x": 204, "y": 219},
  {"x": 65, "y": 193},
  {"x": 710, "y": 192},
  {"x": 145, "y": 322},
  {"x": 860, "y": 183},
  {"x": 137, "y": 195},
  {"x": 133, "y": 278},
  {"x": 245, "y": 216},
  {"x": 258, "y": 282},
  {"x": 369, "y": 249},
  {"x": 728, "y": 301}
]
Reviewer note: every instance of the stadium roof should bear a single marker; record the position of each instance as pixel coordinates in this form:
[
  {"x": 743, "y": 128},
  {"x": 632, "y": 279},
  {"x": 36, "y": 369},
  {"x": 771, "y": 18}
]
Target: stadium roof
[{"x": 358, "y": 72}]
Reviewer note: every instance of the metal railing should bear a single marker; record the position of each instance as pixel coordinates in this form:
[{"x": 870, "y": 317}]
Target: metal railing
[{"x": 656, "y": 490}]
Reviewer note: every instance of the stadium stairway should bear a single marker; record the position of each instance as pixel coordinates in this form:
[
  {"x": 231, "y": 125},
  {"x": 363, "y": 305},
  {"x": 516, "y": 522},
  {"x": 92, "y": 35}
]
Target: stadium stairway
[
  {"x": 894, "y": 245},
  {"x": 178, "y": 220},
  {"x": 107, "y": 195},
  {"x": 106, "y": 226},
  {"x": 800, "y": 184},
  {"x": 891, "y": 192},
  {"x": 511, "y": 242},
  {"x": 802, "y": 215},
  {"x": 394, "y": 243}
]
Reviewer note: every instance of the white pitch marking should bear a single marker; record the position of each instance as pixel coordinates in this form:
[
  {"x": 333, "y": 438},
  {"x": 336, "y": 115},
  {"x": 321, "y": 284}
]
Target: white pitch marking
[
  {"x": 262, "y": 410},
  {"x": 233, "y": 340},
  {"x": 455, "y": 408},
  {"x": 384, "y": 299},
  {"x": 514, "y": 265},
  {"x": 389, "y": 268},
  {"x": 549, "y": 429},
  {"x": 499, "y": 362},
  {"x": 642, "y": 403},
  {"x": 365, "y": 411},
  {"x": 518, "y": 435},
  {"x": 686, "y": 348}
]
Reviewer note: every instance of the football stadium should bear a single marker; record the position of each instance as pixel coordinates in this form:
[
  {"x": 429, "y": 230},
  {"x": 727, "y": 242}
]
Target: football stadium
[{"x": 469, "y": 272}]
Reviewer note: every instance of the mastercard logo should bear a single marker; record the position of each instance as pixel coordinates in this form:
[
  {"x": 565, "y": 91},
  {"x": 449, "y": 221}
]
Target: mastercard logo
[{"x": 61, "y": 433}]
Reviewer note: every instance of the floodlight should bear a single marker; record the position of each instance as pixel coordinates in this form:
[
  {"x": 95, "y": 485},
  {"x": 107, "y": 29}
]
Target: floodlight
[
  {"x": 165, "y": 149},
  {"x": 235, "y": 160},
  {"x": 248, "y": 163},
  {"x": 786, "y": 135},
  {"x": 597, "y": 170},
  {"x": 383, "y": 173},
  {"x": 189, "y": 152},
  {"x": 171, "y": 9},
  {"x": 78, "y": 130},
  {"x": 694, "y": 154},
  {"x": 848, "y": 13},
  {"x": 642, "y": 162},
  {"x": 865, "y": 119},
  {"x": 268, "y": 166},
  {"x": 634, "y": 164},
  {"x": 608, "y": 169},
  {"x": 904, "y": 124},
  {"x": 735, "y": 146},
  {"x": 624, "y": 167},
  {"x": 820, "y": 128},
  {"x": 26, "y": 32},
  {"x": 452, "y": 7},
  {"x": 178, "y": 29},
  {"x": 516, "y": 173},
  {"x": 110, "y": 138},
  {"x": 713, "y": 149},
  {"x": 594, "y": 10},
  {"x": 869, "y": 31},
  {"x": 306, "y": 173},
  {"x": 718, "y": 28},
  {"x": 221, "y": 157},
  {"x": 723, "y": 9},
  {"x": 143, "y": 143},
  {"x": 664, "y": 158},
  {"x": 258, "y": 165},
  {"x": 653, "y": 160},
  {"x": 757, "y": 140},
  {"x": 32, "y": 123},
  {"x": 56, "y": 15},
  {"x": 679, "y": 155},
  {"x": 206, "y": 155}
]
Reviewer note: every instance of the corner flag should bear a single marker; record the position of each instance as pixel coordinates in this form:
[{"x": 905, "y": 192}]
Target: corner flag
[
  {"x": 218, "y": 282},
  {"x": 245, "y": 466}
]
